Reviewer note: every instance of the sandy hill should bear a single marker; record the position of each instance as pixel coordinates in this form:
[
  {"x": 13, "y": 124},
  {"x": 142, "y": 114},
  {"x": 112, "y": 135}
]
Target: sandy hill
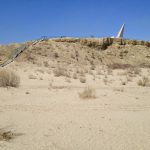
[
  {"x": 83, "y": 52},
  {"x": 75, "y": 94}
]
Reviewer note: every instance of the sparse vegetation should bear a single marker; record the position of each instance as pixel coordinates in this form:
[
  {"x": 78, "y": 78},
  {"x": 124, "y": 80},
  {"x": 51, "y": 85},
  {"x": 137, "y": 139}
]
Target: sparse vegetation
[
  {"x": 68, "y": 74},
  {"x": 32, "y": 77},
  {"x": 40, "y": 70},
  {"x": 88, "y": 93},
  {"x": 92, "y": 67},
  {"x": 46, "y": 64},
  {"x": 137, "y": 70},
  {"x": 68, "y": 80},
  {"x": 56, "y": 55},
  {"x": 100, "y": 72},
  {"x": 123, "y": 82},
  {"x": 132, "y": 72},
  {"x": 119, "y": 89},
  {"x": 82, "y": 79},
  {"x": 75, "y": 76},
  {"x": 56, "y": 87},
  {"x": 8, "y": 135},
  {"x": 105, "y": 80},
  {"x": 119, "y": 66},
  {"x": 128, "y": 78},
  {"x": 144, "y": 81},
  {"x": 109, "y": 71},
  {"x": 9, "y": 79},
  {"x": 27, "y": 92},
  {"x": 59, "y": 71}
]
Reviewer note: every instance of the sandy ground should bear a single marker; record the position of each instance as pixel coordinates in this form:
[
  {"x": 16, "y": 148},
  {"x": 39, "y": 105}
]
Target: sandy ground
[{"x": 57, "y": 119}]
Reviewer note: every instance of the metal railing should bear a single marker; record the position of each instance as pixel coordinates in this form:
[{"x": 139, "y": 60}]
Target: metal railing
[{"x": 18, "y": 51}]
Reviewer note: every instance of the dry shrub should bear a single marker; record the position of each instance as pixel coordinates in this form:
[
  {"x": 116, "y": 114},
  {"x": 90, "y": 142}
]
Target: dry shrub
[
  {"x": 109, "y": 71},
  {"x": 134, "y": 71},
  {"x": 105, "y": 80},
  {"x": 40, "y": 70},
  {"x": 123, "y": 82},
  {"x": 56, "y": 55},
  {"x": 30, "y": 57},
  {"x": 64, "y": 39},
  {"x": 88, "y": 93},
  {"x": 82, "y": 74},
  {"x": 75, "y": 76},
  {"x": 100, "y": 72},
  {"x": 119, "y": 66},
  {"x": 46, "y": 64},
  {"x": 82, "y": 80},
  {"x": 119, "y": 89},
  {"x": 9, "y": 78},
  {"x": 59, "y": 71},
  {"x": 137, "y": 71},
  {"x": 68, "y": 74},
  {"x": 128, "y": 78},
  {"x": 145, "y": 81},
  {"x": 92, "y": 67},
  {"x": 56, "y": 87},
  {"x": 133, "y": 42},
  {"x": 68, "y": 80},
  {"x": 32, "y": 77},
  {"x": 8, "y": 135},
  {"x": 144, "y": 65},
  {"x": 80, "y": 71},
  {"x": 124, "y": 73},
  {"x": 93, "y": 43},
  {"x": 90, "y": 72}
]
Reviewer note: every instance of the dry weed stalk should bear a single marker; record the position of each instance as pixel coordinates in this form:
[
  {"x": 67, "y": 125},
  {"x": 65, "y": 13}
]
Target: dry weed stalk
[
  {"x": 9, "y": 78},
  {"x": 144, "y": 81},
  {"x": 88, "y": 93}
]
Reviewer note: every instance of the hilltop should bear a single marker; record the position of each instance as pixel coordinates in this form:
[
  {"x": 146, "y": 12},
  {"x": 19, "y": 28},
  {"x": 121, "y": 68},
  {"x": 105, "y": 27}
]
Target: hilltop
[{"x": 76, "y": 51}]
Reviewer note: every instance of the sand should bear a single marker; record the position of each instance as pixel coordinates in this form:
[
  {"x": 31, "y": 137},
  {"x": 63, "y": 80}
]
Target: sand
[{"x": 49, "y": 114}]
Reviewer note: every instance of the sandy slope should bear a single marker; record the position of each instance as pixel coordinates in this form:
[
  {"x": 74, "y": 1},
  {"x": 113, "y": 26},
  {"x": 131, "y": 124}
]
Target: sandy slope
[{"x": 55, "y": 118}]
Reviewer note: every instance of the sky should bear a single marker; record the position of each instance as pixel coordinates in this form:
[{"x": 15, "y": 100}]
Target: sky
[{"x": 23, "y": 20}]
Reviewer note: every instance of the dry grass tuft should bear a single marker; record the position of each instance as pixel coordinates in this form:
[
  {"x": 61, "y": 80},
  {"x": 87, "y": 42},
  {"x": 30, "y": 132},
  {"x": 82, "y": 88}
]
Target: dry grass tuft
[
  {"x": 46, "y": 64},
  {"x": 132, "y": 72},
  {"x": 105, "y": 80},
  {"x": 88, "y": 93},
  {"x": 82, "y": 79},
  {"x": 9, "y": 79},
  {"x": 145, "y": 81},
  {"x": 123, "y": 82},
  {"x": 59, "y": 71},
  {"x": 109, "y": 71},
  {"x": 128, "y": 78},
  {"x": 119, "y": 89},
  {"x": 75, "y": 76},
  {"x": 8, "y": 135},
  {"x": 56, "y": 87},
  {"x": 32, "y": 77},
  {"x": 40, "y": 70}
]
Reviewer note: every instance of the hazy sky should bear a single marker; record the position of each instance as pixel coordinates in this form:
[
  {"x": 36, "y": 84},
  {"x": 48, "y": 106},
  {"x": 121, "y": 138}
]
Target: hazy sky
[{"x": 22, "y": 20}]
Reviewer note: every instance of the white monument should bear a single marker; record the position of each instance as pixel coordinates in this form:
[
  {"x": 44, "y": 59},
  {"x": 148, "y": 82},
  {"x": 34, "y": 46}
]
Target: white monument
[{"x": 121, "y": 32}]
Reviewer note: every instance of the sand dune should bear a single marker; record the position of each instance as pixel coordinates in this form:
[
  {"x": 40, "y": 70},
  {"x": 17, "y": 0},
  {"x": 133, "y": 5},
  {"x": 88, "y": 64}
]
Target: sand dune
[{"x": 46, "y": 112}]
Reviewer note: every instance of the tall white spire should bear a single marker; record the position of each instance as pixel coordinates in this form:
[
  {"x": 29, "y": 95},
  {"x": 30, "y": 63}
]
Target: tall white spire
[{"x": 121, "y": 32}]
